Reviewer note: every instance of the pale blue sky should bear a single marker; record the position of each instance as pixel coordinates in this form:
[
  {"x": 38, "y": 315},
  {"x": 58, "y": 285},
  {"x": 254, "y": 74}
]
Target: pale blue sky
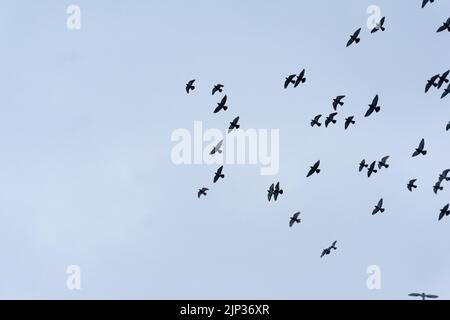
[{"x": 86, "y": 177}]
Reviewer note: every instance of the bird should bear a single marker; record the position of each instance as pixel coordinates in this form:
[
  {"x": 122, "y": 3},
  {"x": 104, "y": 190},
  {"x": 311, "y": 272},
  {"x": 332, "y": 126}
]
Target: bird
[
  {"x": 338, "y": 102},
  {"x": 221, "y": 105},
  {"x": 271, "y": 191},
  {"x": 383, "y": 163},
  {"x": 349, "y": 121},
  {"x": 300, "y": 78},
  {"x": 423, "y": 295},
  {"x": 445, "y": 26},
  {"x": 354, "y": 37},
  {"x": 444, "y": 211},
  {"x": 424, "y": 2},
  {"x": 448, "y": 126},
  {"x": 294, "y": 219},
  {"x": 437, "y": 187},
  {"x": 315, "y": 121},
  {"x": 443, "y": 79},
  {"x": 330, "y": 119},
  {"x": 444, "y": 175},
  {"x": 371, "y": 169},
  {"x": 217, "y": 88},
  {"x": 379, "y": 26},
  {"x": 362, "y": 165},
  {"x": 218, "y": 174},
  {"x": 411, "y": 185},
  {"x": 328, "y": 250},
  {"x": 373, "y": 107},
  {"x": 277, "y": 191},
  {"x": 431, "y": 82},
  {"x": 217, "y": 148},
  {"x": 314, "y": 169},
  {"x": 420, "y": 149},
  {"x": 202, "y": 191},
  {"x": 234, "y": 124},
  {"x": 446, "y": 92},
  {"x": 190, "y": 86},
  {"x": 289, "y": 80},
  {"x": 378, "y": 207}
]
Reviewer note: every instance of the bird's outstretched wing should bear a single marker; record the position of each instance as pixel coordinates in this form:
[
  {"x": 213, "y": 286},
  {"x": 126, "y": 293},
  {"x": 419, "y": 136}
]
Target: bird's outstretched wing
[
  {"x": 442, "y": 28},
  {"x": 310, "y": 172},
  {"x": 414, "y": 295},
  {"x": 369, "y": 112},
  {"x": 447, "y": 127},
  {"x": 374, "y": 101},
  {"x": 380, "y": 203},
  {"x": 422, "y": 144},
  {"x": 431, "y": 296}
]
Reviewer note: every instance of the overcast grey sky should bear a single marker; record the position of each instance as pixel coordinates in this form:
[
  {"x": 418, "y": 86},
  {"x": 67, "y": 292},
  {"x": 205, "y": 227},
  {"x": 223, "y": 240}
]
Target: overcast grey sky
[{"x": 86, "y": 118}]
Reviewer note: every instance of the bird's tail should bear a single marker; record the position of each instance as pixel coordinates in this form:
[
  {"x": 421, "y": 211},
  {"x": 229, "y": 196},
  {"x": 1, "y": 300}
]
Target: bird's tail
[
  {"x": 318, "y": 170},
  {"x": 222, "y": 176},
  {"x": 375, "y": 171},
  {"x": 334, "y": 247},
  {"x": 386, "y": 165},
  {"x": 237, "y": 126},
  {"x": 414, "y": 187},
  {"x": 334, "y": 121},
  {"x": 281, "y": 191},
  {"x": 303, "y": 80},
  {"x": 382, "y": 28},
  {"x": 219, "y": 151},
  {"x": 441, "y": 188},
  {"x": 341, "y": 103},
  {"x": 357, "y": 40},
  {"x": 319, "y": 124},
  {"x": 225, "y": 107},
  {"x": 352, "y": 122},
  {"x": 377, "y": 109},
  {"x": 424, "y": 152},
  {"x": 382, "y": 210}
]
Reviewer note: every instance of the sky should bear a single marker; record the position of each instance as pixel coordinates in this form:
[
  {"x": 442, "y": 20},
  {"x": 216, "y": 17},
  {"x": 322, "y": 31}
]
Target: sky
[{"x": 87, "y": 179}]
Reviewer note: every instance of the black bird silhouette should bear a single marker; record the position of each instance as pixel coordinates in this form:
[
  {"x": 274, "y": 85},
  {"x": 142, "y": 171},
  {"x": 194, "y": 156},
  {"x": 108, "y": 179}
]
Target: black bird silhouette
[
  {"x": 330, "y": 119},
  {"x": 445, "y": 26},
  {"x": 437, "y": 187},
  {"x": 373, "y": 107},
  {"x": 423, "y": 295},
  {"x": 411, "y": 185},
  {"x": 424, "y": 2},
  {"x": 190, "y": 85},
  {"x": 218, "y": 87},
  {"x": 314, "y": 169},
  {"x": 234, "y": 124},
  {"x": 315, "y": 121},
  {"x": 202, "y": 191},
  {"x": 443, "y": 79},
  {"x": 349, "y": 121},
  {"x": 300, "y": 78},
  {"x": 444, "y": 175},
  {"x": 289, "y": 80},
  {"x": 420, "y": 149},
  {"x": 431, "y": 82},
  {"x": 362, "y": 165},
  {"x": 444, "y": 211},
  {"x": 294, "y": 219},
  {"x": 371, "y": 169},
  {"x": 448, "y": 126},
  {"x": 217, "y": 148},
  {"x": 446, "y": 92},
  {"x": 338, "y": 102},
  {"x": 379, "y": 26},
  {"x": 378, "y": 207},
  {"x": 218, "y": 174},
  {"x": 383, "y": 163},
  {"x": 221, "y": 105},
  {"x": 328, "y": 250},
  {"x": 354, "y": 37},
  {"x": 271, "y": 191},
  {"x": 277, "y": 191}
]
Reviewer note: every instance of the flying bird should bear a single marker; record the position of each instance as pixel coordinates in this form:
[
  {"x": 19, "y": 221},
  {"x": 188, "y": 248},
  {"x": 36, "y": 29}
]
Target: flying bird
[
  {"x": 373, "y": 107},
  {"x": 190, "y": 86},
  {"x": 446, "y": 92},
  {"x": 444, "y": 175},
  {"x": 445, "y": 26},
  {"x": 431, "y": 82},
  {"x": 411, "y": 185},
  {"x": 362, "y": 165},
  {"x": 271, "y": 191},
  {"x": 294, "y": 219},
  {"x": 277, "y": 191},
  {"x": 315, "y": 121},
  {"x": 448, "y": 126},
  {"x": 217, "y": 88},
  {"x": 328, "y": 250},
  {"x": 300, "y": 78},
  {"x": 379, "y": 26},
  {"x": 234, "y": 124},
  {"x": 289, "y": 80},
  {"x": 330, "y": 119},
  {"x": 314, "y": 169},
  {"x": 202, "y": 191},
  {"x": 349, "y": 121},
  {"x": 437, "y": 187},
  {"x": 424, "y": 2},
  {"x": 382, "y": 163},
  {"x": 378, "y": 207},
  {"x": 423, "y": 295},
  {"x": 444, "y": 211},
  {"x": 338, "y": 102},
  {"x": 420, "y": 149},
  {"x": 217, "y": 148},
  {"x": 371, "y": 169},
  {"x": 443, "y": 79},
  {"x": 354, "y": 37},
  {"x": 218, "y": 174},
  {"x": 221, "y": 105}
]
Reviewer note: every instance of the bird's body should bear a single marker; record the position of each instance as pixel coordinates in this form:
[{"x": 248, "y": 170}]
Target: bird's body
[
  {"x": 314, "y": 169},
  {"x": 217, "y": 88},
  {"x": 421, "y": 149},
  {"x": 338, "y": 102},
  {"x": 190, "y": 86},
  {"x": 445, "y": 26},
  {"x": 349, "y": 121},
  {"x": 217, "y": 148},
  {"x": 294, "y": 219},
  {"x": 443, "y": 79},
  {"x": 202, "y": 191},
  {"x": 234, "y": 124},
  {"x": 354, "y": 37},
  {"x": 373, "y": 107},
  {"x": 371, "y": 169},
  {"x": 446, "y": 92},
  {"x": 315, "y": 121},
  {"x": 444, "y": 212},
  {"x": 437, "y": 187},
  {"x": 328, "y": 250},
  {"x": 362, "y": 165},
  {"x": 447, "y": 127},
  {"x": 218, "y": 174},
  {"x": 330, "y": 119},
  {"x": 277, "y": 191},
  {"x": 221, "y": 105},
  {"x": 383, "y": 163},
  {"x": 431, "y": 82},
  {"x": 379, "y": 26},
  {"x": 378, "y": 207},
  {"x": 300, "y": 78},
  {"x": 411, "y": 185}
]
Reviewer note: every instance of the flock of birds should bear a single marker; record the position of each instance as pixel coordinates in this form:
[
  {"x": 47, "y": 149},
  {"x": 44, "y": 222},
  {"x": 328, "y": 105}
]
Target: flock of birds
[{"x": 274, "y": 191}]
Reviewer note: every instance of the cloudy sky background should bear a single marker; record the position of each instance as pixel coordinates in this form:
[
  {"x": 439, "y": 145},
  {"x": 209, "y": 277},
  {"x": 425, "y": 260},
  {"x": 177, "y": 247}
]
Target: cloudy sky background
[{"x": 86, "y": 176}]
